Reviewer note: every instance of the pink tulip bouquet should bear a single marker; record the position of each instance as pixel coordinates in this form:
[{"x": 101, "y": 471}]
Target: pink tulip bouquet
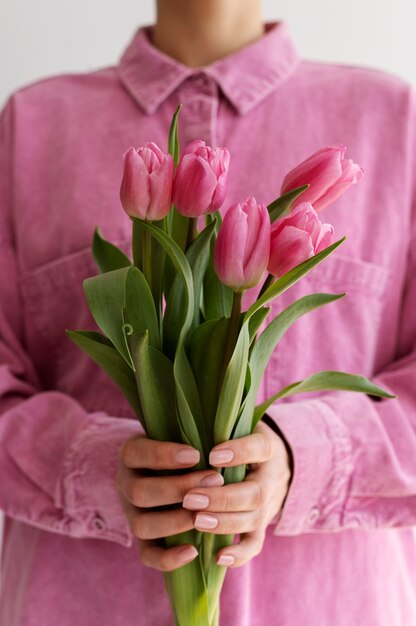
[{"x": 174, "y": 337}]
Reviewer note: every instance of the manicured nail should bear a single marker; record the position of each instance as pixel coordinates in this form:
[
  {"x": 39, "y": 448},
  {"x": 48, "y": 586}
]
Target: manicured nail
[
  {"x": 187, "y": 456},
  {"x": 212, "y": 480},
  {"x": 195, "y": 501},
  {"x": 226, "y": 559},
  {"x": 187, "y": 554},
  {"x": 218, "y": 457},
  {"x": 205, "y": 522}
]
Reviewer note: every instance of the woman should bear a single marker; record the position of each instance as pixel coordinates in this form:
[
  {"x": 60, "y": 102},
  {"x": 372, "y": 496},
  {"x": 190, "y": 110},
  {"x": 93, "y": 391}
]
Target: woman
[{"x": 328, "y": 508}]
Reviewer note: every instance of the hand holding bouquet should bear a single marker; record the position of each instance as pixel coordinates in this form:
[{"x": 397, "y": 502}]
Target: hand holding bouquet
[{"x": 174, "y": 336}]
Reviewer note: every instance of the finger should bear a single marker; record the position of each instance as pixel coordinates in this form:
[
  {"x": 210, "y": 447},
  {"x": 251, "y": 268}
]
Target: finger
[
  {"x": 254, "y": 448},
  {"x": 244, "y": 496},
  {"x": 142, "y": 452},
  {"x": 165, "y": 559},
  {"x": 228, "y": 523},
  {"x": 157, "y": 524},
  {"x": 240, "y": 553},
  {"x": 145, "y": 491}
]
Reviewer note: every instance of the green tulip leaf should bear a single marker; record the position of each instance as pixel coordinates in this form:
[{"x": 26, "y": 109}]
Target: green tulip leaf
[
  {"x": 217, "y": 297},
  {"x": 139, "y": 309},
  {"x": 182, "y": 266},
  {"x": 281, "y": 206},
  {"x": 290, "y": 278},
  {"x": 197, "y": 256},
  {"x": 186, "y": 586},
  {"x": 323, "y": 381},
  {"x": 260, "y": 356},
  {"x": 103, "y": 352},
  {"x": 121, "y": 302},
  {"x": 173, "y": 143},
  {"x": 256, "y": 321},
  {"x": 156, "y": 387},
  {"x": 106, "y": 255},
  {"x": 190, "y": 413},
  {"x": 206, "y": 353},
  {"x": 232, "y": 389}
]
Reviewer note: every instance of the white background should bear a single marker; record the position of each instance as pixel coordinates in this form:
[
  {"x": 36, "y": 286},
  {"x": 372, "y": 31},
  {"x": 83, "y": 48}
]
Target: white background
[{"x": 47, "y": 37}]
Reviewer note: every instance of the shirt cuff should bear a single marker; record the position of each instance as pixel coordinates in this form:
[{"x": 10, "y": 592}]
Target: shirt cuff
[
  {"x": 322, "y": 466},
  {"x": 87, "y": 490}
]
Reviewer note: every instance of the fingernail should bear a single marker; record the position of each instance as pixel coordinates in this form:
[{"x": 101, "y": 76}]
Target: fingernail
[
  {"x": 218, "y": 457},
  {"x": 212, "y": 480},
  {"x": 205, "y": 522},
  {"x": 195, "y": 501},
  {"x": 226, "y": 559},
  {"x": 187, "y": 554},
  {"x": 187, "y": 456}
]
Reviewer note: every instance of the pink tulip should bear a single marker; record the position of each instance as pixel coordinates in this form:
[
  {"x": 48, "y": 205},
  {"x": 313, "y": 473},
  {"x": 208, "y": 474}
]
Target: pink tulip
[
  {"x": 201, "y": 179},
  {"x": 297, "y": 237},
  {"x": 243, "y": 244},
  {"x": 327, "y": 173},
  {"x": 146, "y": 188}
]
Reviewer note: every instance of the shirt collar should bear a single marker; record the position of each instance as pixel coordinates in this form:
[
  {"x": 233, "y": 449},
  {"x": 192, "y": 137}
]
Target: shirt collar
[{"x": 245, "y": 76}]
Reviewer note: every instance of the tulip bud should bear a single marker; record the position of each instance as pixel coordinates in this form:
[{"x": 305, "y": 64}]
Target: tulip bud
[
  {"x": 328, "y": 174},
  {"x": 146, "y": 188},
  {"x": 201, "y": 179},
  {"x": 297, "y": 237},
  {"x": 242, "y": 248}
]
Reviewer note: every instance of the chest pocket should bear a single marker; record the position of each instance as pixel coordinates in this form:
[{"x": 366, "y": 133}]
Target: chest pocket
[
  {"x": 54, "y": 300},
  {"x": 342, "y": 335}
]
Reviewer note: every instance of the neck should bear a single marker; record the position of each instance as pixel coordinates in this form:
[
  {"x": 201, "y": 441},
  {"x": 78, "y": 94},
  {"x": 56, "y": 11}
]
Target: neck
[{"x": 198, "y": 32}]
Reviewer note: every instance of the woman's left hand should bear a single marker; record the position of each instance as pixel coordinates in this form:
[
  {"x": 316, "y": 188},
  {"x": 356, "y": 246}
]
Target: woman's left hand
[{"x": 248, "y": 507}]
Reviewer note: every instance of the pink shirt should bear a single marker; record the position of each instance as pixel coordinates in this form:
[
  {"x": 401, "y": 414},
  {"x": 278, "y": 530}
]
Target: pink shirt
[{"x": 343, "y": 552}]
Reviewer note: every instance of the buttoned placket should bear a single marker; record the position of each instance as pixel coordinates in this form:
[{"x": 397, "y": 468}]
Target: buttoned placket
[{"x": 198, "y": 95}]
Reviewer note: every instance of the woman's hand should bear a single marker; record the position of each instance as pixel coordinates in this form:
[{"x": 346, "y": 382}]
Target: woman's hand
[{"x": 244, "y": 508}]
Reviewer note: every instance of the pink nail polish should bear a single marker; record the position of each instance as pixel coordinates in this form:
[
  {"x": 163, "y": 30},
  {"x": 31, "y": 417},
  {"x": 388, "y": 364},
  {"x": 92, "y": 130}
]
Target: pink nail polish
[
  {"x": 195, "y": 501},
  {"x": 187, "y": 554},
  {"x": 205, "y": 522},
  {"x": 187, "y": 456},
  {"x": 212, "y": 480},
  {"x": 218, "y": 457},
  {"x": 226, "y": 559}
]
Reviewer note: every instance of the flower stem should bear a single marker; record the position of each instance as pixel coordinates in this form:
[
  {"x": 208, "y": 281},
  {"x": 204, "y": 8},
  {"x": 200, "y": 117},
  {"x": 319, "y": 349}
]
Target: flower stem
[
  {"x": 147, "y": 257},
  {"x": 137, "y": 243},
  {"x": 267, "y": 283},
  {"x": 192, "y": 230},
  {"x": 232, "y": 335}
]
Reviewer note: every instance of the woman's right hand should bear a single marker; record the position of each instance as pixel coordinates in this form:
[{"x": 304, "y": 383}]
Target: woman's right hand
[{"x": 141, "y": 493}]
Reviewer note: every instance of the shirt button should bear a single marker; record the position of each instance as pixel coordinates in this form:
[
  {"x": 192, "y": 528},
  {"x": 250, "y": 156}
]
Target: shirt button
[
  {"x": 98, "y": 523},
  {"x": 313, "y": 515}
]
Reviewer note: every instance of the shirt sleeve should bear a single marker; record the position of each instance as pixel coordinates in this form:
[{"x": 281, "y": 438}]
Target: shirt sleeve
[
  {"x": 57, "y": 461},
  {"x": 354, "y": 455}
]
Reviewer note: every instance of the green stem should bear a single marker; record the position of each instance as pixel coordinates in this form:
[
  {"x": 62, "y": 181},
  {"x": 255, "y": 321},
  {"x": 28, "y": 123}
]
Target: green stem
[
  {"x": 267, "y": 283},
  {"x": 137, "y": 244},
  {"x": 233, "y": 328},
  {"x": 147, "y": 257},
  {"x": 192, "y": 231}
]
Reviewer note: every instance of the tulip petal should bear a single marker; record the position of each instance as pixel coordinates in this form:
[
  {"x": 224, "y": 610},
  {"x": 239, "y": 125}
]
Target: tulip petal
[
  {"x": 161, "y": 181},
  {"x": 193, "y": 146},
  {"x": 326, "y": 237},
  {"x": 135, "y": 185},
  {"x": 229, "y": 247},
  {"x": 350, "y": 176},
  {"x": 291, "y": 247},
  {"x": 194, "y": 185},
  {"x": 256, "y": 255},
  {"x": 321, "y": 170}
]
